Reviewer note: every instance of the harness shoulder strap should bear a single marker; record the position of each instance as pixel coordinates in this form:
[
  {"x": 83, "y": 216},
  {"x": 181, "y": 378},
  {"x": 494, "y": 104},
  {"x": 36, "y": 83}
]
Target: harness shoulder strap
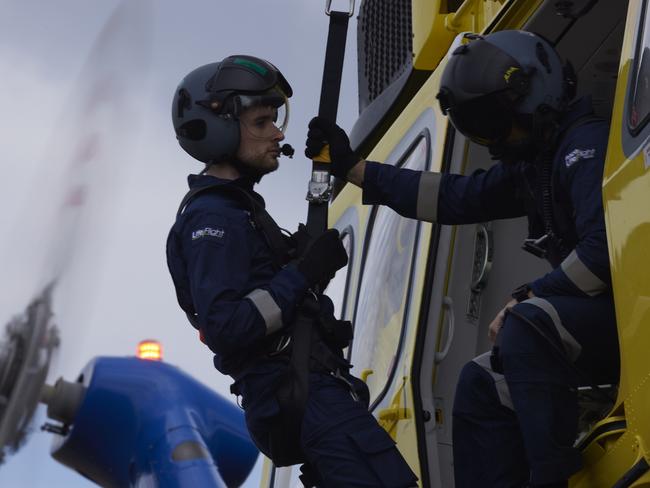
[{"x": 270, "y": 229}]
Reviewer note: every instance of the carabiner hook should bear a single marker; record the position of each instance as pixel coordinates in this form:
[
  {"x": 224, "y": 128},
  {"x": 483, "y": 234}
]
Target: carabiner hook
[{"x": 328, "y": 8}]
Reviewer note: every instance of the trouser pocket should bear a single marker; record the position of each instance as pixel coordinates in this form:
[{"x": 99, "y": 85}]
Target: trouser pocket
[{"x": 380, "y": 455}]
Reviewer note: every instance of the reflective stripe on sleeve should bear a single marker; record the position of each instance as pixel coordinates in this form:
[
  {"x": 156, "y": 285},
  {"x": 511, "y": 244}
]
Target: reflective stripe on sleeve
[
  {"x": 267, "y": 308},
  {"x": 427, "y": 203},
  {"x": 571, "y": 346},
  {"x": 499, "y": 380},
  {"x": 581, "y": 276}
]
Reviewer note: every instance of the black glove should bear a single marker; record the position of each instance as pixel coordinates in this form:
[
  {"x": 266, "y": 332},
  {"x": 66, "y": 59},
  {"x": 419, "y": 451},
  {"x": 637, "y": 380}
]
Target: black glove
[
  {"x": 299, "y": 241},
  {"x": 322, "y": 258},
  {"x": 323, "y": 132}
]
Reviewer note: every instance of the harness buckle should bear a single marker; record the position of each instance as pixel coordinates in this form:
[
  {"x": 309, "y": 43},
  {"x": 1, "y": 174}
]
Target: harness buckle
[
  {"x": 281, "y": 346},
  {"x": 537, "y": 247},
  {"x": 328, "y": 8},
  {"x": 320, "y": 187}
]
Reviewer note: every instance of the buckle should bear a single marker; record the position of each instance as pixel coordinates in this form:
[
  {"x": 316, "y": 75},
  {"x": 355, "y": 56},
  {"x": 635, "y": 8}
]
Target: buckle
[
  {"x": 537, "y": 247},
  {"x": 328, "y": 8}
]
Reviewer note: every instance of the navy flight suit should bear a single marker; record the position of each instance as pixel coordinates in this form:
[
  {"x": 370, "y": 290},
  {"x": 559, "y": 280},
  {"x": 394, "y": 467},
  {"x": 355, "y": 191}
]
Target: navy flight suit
[
  {"x": 518, "y": 428},
  {"x": 223, "y": 269}
]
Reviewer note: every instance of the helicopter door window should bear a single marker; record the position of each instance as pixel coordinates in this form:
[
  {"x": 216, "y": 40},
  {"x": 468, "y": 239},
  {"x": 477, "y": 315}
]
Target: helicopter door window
[
  {"x": 382, "y": 305},
  {"x": 639, "y": 99}
]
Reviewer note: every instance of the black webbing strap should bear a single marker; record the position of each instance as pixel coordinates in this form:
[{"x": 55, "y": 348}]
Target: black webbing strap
[
  {"x": 333, "y": 69},
  {"x": 328, "y": 105},
  {"x": 270, "y": 229},
  {"x": 293, "y": 392}
]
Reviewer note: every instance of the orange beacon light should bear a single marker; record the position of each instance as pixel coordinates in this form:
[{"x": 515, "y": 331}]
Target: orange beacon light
[{"x": 150, "y": 349}]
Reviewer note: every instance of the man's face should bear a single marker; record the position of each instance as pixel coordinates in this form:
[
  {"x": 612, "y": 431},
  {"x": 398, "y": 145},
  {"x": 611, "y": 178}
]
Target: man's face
[{"x": 259, "y": 146}]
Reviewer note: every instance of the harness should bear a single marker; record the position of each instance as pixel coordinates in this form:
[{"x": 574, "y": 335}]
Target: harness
[
  {"x": 313, "y": 342},
  {"x": 553, "y": 237}
]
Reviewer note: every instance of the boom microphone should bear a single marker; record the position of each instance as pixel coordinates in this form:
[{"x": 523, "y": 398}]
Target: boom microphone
[{"x": 287, "y": 150}]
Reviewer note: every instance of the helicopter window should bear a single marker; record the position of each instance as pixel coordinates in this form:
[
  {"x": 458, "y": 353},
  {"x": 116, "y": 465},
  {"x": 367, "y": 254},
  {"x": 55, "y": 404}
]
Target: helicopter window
[
  {"x": 639, "y": 101},
  {"x": 382, "y": 305}
]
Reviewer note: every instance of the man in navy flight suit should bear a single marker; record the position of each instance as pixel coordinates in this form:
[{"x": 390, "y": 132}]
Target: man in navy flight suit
[
  {"x": 515, "y": 412},
  {"x": 244, "y": 297}
]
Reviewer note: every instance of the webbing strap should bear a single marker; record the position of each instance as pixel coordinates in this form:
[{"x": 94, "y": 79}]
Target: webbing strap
[
  {"x": 328, "y": 106},
  {"x": 292, "y": 394},
  {"x": 270, "y": 229},
  {"x": 333, "y": 69}
]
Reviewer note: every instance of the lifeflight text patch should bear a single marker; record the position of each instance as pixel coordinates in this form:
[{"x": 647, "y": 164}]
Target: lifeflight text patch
[
  {"x": 578, "y": 154},
  {"x": 208, "y": 232}
]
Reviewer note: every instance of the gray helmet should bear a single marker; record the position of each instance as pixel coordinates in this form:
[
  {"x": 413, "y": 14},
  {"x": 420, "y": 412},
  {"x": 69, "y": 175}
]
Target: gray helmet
[
  {"x": 209, "y": 100},
  {"x": 494, "y": 80}
]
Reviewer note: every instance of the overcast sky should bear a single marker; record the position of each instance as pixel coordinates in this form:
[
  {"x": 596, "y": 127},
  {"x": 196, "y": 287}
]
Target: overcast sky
[{"x": 64, "y": 127}]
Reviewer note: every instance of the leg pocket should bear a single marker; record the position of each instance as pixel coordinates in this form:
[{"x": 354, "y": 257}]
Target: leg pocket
[{"x": 380, "y": 454}]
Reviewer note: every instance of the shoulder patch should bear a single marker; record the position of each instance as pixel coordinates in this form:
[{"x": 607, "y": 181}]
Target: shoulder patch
[
  {"x": 212, "y": 233},
  {"x": 577, "y": 154}
]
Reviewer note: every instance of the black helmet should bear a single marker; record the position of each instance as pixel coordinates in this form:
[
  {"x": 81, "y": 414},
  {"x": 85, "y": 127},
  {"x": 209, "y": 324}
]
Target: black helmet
[
  {"x": 494, "y": 80},
  {"x": 209, "y": 100}
]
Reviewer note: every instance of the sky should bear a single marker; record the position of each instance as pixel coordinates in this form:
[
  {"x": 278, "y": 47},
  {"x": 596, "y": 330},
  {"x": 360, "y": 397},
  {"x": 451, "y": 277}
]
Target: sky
[{"x": 67, "y": 134}]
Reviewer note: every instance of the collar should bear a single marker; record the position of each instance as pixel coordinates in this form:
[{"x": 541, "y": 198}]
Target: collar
[
  {"x": 581, "y": 107},
  {"x": 201, "y": 181}
]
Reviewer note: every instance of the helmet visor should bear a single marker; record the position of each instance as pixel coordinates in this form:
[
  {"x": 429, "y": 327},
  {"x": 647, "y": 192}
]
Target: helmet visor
[
  {"x": 485, "y": 120},
  {"x": 263, "y": 115}
]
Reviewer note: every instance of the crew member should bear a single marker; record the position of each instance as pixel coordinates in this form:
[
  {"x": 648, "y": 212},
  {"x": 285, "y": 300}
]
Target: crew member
[
  {"x": 510, "y": 92},
  {"x": 247, "y": 288}
]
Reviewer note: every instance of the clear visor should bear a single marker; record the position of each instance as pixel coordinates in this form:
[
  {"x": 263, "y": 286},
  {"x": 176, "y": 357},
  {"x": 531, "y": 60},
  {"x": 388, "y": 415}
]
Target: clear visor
[{"x": 265, "y": 114}]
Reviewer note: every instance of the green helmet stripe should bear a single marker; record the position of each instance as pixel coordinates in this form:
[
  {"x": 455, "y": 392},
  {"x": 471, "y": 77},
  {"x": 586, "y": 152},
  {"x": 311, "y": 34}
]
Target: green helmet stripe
[{"x": 254, "y": 66}]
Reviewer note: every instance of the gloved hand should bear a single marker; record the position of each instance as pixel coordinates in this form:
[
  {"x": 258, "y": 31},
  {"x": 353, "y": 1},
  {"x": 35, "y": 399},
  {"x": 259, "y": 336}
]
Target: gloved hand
[
  {"x": 322, "y": 258},
  {"x": 322, "y": 132},
  {"x": 300, "y": 240}
]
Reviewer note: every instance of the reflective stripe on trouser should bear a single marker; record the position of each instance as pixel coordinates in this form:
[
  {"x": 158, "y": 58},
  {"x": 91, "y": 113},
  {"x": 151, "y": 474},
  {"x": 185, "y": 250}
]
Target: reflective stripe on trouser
[{"x": 542, "y": 390}]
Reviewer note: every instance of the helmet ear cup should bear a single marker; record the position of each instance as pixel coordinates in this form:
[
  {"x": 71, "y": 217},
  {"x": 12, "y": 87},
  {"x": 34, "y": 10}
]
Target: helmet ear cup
[
  {"x": 209, "y": 139},
  {"x": 193, "y": 130}
]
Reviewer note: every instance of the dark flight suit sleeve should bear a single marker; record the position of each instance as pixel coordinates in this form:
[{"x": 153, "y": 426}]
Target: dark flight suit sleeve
[
  {"x": 218, "y": 254},
  {"x": 444, "y": 198},
  {"x": 585, "y": 272}
]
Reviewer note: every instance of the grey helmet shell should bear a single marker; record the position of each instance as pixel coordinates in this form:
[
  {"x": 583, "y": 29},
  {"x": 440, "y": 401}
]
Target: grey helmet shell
[
  {"x": 547, "y": 83},
  {"x": 203, "y": 113},
  {"x": 493, "y": 80}
]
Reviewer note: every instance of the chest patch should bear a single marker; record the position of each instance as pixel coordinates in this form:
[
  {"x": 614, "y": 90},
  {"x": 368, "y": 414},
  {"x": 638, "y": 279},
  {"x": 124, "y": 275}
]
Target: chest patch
[
  {"x": 578, "y": 154},
  {"x": 208, "y": 232}
]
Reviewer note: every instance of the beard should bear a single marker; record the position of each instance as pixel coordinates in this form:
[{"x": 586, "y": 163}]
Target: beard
[{"x": 254, "y": 167}]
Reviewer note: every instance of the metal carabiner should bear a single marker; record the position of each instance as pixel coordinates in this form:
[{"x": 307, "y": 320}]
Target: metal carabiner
[{"x": 328, "y": 8}]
